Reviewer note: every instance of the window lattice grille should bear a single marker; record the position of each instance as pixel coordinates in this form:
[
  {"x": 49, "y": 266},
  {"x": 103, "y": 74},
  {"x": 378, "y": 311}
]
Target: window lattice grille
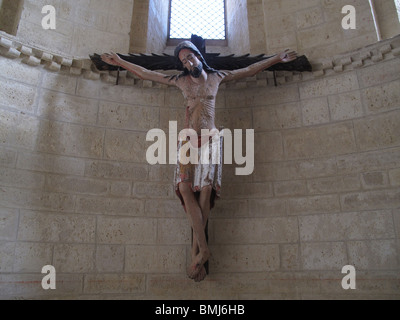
[
  {"x": 205, "y": 18},
  {"x": 397, "y": 2}
]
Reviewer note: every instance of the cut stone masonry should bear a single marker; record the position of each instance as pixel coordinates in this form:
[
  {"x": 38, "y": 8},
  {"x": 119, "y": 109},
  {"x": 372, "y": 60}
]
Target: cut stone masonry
[{"x": 14, "y": 49}]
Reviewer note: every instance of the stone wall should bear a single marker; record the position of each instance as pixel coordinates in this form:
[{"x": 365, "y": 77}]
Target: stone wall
[
  {"x": 314, "y": 27},
  {"x": 81, "y": 26},
  {"x": 77, "y": 193},
  {"x": 149, "y": 30},
  {"x": 237, "y": 25}
]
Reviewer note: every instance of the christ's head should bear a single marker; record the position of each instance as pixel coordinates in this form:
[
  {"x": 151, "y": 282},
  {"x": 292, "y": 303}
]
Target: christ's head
[{"x": 190, "y": 59}]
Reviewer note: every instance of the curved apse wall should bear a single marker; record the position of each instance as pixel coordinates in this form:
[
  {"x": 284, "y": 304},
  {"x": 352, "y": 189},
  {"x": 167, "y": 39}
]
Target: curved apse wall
[{"x": 77, "y": 193}]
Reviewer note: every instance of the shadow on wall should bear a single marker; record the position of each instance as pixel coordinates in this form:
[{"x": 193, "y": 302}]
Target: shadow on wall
[{"x": 10, "y": 14}]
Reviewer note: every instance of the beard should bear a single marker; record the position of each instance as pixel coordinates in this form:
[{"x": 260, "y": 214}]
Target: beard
[{"x": 196, "y": 72}]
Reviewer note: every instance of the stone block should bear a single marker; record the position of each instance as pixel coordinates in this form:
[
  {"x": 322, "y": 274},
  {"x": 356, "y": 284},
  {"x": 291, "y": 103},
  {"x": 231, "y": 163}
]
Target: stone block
[
  {"x": 123, "y": 145},
  {"x": 255, "y": 230},
  {"x": 63, "y": 107},
  {"x": 326, "y": 185},
  {"x": 34, "y": 199},
  {"x": 162, "y": 173},
  {"x": 371, "y": 200},
  {"x": 319, "y": 35},
  {"x": 59, "y": 82},
  {"x": 319, "y": 141},
  {"x": 25, "y": 50},
  {"x": 164, "y": 208},
  {"x": 54, "y": 227},
  {"x": 91, "y": 75},
  {"x": 345, "y": 106},
  {"x": 122, "y": 116},
  {"x": 74, "y": 258},
  {"x": 314, "y": 204},
  {"x": 87, "y": 88},
  {"x": 50, "y": 163},
  {"x": 373, "y": 254},
  {"x": 381, "y": 98},
  {"x": 357, "y": 64},
  {"x": 378, "y": 132},
  {"x": 244, "y": 258},
  {"x": 21, "y": 178},
  {"x": 120, "y": 188},
  {"x": 10, "y": 53},
  {"x": 31, "y": 61},
  {"x": 394, "y": 177},
  {"x": 271, "y": 96},
  {"x": 124, "y": 94},
  {"x": 174, "y": 231},
  {"x": 18, "y": 96},
  {"x": 290, "y": 256},
  {"x": 234, "y": 118},
  {"x": 329, "y": 85},
  {"x": 5, "y": 43},
  {"x": 32, "y": 256},
  {"x": 282, "y": 116},
  {"x": 109, "y": 206},
  {"x": 53, "y": 66},
  {"x": 290, "y": 188},
  {"x": 7, "y": 252},
  {"x": 262, "y": 208},
  {"x": 7, "y": 158},
  {"x": 323, "y": 255},
  {"x": 114, "y": 283},
  {"x": 379, "y": 73},
  {"x": 155, "y": 259},
  {"x": 315, "y": 111},
  {"x": 8, "y": 225},
  {"x": 268, "y": 147},
  {"x": 28, "y": 286},
  {"x": 115, "y": 230},
  {"x": 69, "y": 139},
  {"x": 110, "y": 258},
  {"x": 116, "y": 170},
  {"x": 308, "y": 18},
  {"x": 76, "y": 185},
  {"x": 287, "y": 170},
  {"x": 248, "y": 190},
  {"x": 375, "y": 180},
  {"x": 346, "y": 226},
  {"x": 19, "y": 72},
  {"x": 369, "y": 161}
]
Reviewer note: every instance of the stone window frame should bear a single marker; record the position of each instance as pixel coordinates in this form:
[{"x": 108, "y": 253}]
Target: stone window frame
[{"x": 209, "y": 42}]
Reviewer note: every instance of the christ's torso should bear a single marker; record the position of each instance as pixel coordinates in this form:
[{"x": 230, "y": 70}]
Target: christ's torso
[{"x": 200, "y": 101}]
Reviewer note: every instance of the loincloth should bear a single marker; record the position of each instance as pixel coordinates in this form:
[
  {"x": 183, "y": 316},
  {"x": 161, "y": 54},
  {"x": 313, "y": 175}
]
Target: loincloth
[{"x": 203, "y": 173}]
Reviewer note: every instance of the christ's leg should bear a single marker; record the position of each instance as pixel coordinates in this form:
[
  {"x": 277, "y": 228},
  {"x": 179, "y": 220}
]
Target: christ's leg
[
  {"x": 204, "y": 203},
  {"x": 196, "y": 219}
]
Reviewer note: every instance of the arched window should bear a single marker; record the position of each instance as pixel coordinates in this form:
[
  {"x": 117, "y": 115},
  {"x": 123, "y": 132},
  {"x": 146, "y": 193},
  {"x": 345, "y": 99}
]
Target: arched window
[{"x": 205, "y": 18}]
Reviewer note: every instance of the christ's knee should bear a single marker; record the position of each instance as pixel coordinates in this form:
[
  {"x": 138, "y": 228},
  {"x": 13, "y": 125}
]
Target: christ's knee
[{"x": 185, "y": 189}]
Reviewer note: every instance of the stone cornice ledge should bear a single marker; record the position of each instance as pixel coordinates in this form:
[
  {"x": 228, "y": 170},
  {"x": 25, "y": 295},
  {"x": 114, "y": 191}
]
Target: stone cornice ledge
[{"x": 12, "y": 48}]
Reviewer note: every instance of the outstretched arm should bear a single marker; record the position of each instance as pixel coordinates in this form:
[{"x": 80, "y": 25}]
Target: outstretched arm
[
  {"x": 283, "y": 57},
  {"x": 143, "y": 73}
]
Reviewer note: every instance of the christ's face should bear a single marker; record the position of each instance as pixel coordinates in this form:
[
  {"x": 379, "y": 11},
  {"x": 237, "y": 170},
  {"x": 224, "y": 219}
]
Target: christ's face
[
  {"x": 189, "y": 59},
  {"x": 191, "y": 62}
]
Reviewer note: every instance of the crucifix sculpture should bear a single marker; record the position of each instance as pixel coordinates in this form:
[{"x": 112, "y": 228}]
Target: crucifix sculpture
[{"x": 196, "y": 184}]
